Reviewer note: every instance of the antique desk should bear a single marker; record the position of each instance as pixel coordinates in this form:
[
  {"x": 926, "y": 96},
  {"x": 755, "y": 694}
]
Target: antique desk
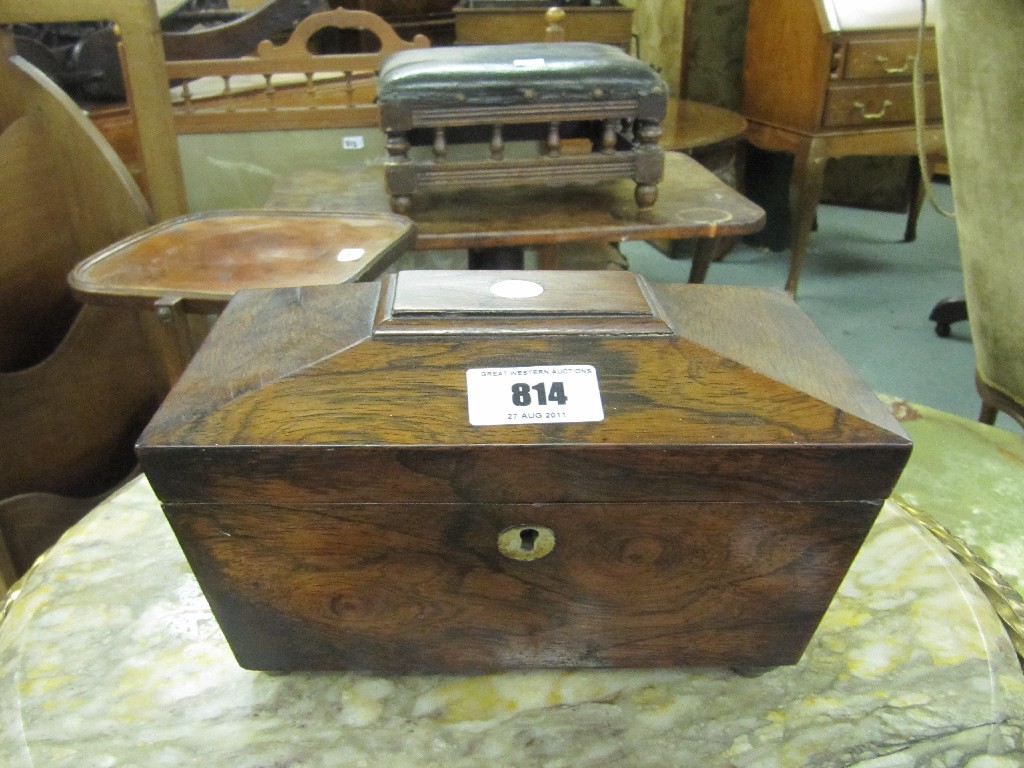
[
  {"x": 832, "y": 78},
  {"x": 692, "y": 204},
  {"x": 195, "y": 264},
  {"x": 109, "y": 655}
]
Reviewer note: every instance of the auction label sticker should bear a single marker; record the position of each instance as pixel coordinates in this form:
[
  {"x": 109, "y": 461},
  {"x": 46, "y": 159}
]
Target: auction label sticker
[{"x": 540, "y": 394}]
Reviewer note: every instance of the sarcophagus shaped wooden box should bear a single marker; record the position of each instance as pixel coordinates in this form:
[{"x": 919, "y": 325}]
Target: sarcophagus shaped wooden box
[
  {"x": 594, "y": 95},
  {"x": 469, "y": 471}
]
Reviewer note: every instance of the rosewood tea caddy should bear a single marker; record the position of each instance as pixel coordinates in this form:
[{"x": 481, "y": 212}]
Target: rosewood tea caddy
[{"x": 474, "y": 471}]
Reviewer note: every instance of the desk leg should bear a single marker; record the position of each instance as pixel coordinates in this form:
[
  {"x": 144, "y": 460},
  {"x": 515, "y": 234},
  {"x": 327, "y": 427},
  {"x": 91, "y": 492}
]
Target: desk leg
[
  {"x": 495, "y": 258},
  {"x": 917, "y": 193},
  {"x": 703, "y": 255},
  {"x": 804, "y": 194}
]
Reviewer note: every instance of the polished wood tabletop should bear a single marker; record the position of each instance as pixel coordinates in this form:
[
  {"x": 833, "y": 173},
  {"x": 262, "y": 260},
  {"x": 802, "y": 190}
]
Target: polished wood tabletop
[
  {"x": 204, "y": 259},
  {"x": 692, "y": 203},
  {"x": 193, "y": 265},
  {"x": 690, "y": 125}
]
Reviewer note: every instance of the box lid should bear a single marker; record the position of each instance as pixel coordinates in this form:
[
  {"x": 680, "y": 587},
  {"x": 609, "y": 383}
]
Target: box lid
[{"x": 424, "y": 387}]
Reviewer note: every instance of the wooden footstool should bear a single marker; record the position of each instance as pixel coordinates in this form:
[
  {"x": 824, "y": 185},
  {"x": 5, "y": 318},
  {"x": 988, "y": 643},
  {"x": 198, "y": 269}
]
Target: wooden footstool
[{"x": 594, "y": 110}]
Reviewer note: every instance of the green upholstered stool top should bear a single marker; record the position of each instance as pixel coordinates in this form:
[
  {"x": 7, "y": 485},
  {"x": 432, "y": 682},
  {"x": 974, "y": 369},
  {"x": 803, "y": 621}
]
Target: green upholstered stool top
[{"x": 523, "y": 73}]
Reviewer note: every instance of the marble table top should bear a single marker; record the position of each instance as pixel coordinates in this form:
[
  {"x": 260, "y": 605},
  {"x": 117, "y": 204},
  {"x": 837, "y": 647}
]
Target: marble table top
[{"x": 109, "y": 656}]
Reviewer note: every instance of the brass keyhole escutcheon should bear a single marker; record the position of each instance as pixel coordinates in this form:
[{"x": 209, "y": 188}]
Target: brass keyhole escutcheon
[{"x": 526, "y": 542}]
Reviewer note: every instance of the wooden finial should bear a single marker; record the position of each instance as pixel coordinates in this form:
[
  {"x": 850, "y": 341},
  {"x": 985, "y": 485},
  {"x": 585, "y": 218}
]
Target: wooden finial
[{"x": 555, "y": 32}]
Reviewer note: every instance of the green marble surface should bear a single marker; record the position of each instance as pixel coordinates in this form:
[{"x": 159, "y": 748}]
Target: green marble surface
[
  {"x": 970, "y": 478},
  {"x": 109, "y": 656}
]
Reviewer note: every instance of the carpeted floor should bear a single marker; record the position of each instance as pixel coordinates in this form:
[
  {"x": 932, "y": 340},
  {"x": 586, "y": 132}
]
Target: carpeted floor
[{"x": 870, "y": 293}]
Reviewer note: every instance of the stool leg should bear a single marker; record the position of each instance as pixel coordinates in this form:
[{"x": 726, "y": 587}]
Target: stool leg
[
  {"x": 400, "y": 175},
  {"x": 650, "y": 163}
]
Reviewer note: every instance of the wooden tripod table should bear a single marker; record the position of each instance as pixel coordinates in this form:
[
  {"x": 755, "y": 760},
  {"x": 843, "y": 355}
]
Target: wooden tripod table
[
  {"x": 692, "y": 204},
  {"x": 195, "y": 264}
]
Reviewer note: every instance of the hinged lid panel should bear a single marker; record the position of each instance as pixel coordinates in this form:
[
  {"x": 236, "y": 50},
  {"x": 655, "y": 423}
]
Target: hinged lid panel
[{"x": 505, "y": 387}]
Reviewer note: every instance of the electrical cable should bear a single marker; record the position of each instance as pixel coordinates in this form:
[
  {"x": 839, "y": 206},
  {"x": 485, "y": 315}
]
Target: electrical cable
[{"x": 919, "y": 115}]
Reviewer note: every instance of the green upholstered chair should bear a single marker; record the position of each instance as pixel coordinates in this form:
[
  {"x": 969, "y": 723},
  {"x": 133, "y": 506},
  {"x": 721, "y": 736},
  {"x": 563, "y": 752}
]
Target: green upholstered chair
[{"x": 981, "y": 58}]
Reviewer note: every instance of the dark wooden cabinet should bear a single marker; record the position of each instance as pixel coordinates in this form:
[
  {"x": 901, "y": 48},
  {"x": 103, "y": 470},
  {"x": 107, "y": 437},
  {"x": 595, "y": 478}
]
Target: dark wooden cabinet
[{"x": 833, "y": 78}]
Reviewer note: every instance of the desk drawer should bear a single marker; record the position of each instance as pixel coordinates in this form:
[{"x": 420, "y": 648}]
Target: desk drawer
[
  {"x": 876, "y": 103},
  {"x": 887, "y": 58}
]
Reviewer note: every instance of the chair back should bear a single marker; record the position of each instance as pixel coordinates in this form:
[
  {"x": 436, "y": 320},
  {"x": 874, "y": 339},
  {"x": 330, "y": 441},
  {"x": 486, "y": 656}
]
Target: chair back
[
  {"x": 288, "y": 86},
  {"x": 981, "y": 53},
  {"x": 139, "y": 29},
  {"x": 245, "y": 122}
]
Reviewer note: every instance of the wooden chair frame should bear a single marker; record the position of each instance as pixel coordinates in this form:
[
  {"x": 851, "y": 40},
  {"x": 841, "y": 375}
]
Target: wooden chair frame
[
  {"x": 77, "y": 384},
  {"x": 296, "y": 88},
  {"x": 145, "y": 74}
]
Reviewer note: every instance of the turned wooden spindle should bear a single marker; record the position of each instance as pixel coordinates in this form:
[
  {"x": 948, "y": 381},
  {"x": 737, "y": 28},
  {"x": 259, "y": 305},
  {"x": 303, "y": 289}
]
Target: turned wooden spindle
[
  {"x": 398, "y": 146},
  {"x": 608, "y": 137},
  {"x": 497, "y": 142},
  {"x": 648, "y": 132},
  {"x": 440, "y": 144},
  {"x": 554, "y": 143}
]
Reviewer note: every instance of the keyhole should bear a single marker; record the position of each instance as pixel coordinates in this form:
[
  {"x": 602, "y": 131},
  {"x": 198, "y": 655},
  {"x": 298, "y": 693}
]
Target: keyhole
[
  {"x": 527, "y": 537},
  {"x": 526, "y": 542}
]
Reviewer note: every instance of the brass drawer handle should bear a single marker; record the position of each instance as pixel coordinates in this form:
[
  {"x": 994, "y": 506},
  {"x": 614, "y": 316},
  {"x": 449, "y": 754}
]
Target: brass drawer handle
[
  {"x": 896, "y": 70},
  {"x": 872, "y": 115}
]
